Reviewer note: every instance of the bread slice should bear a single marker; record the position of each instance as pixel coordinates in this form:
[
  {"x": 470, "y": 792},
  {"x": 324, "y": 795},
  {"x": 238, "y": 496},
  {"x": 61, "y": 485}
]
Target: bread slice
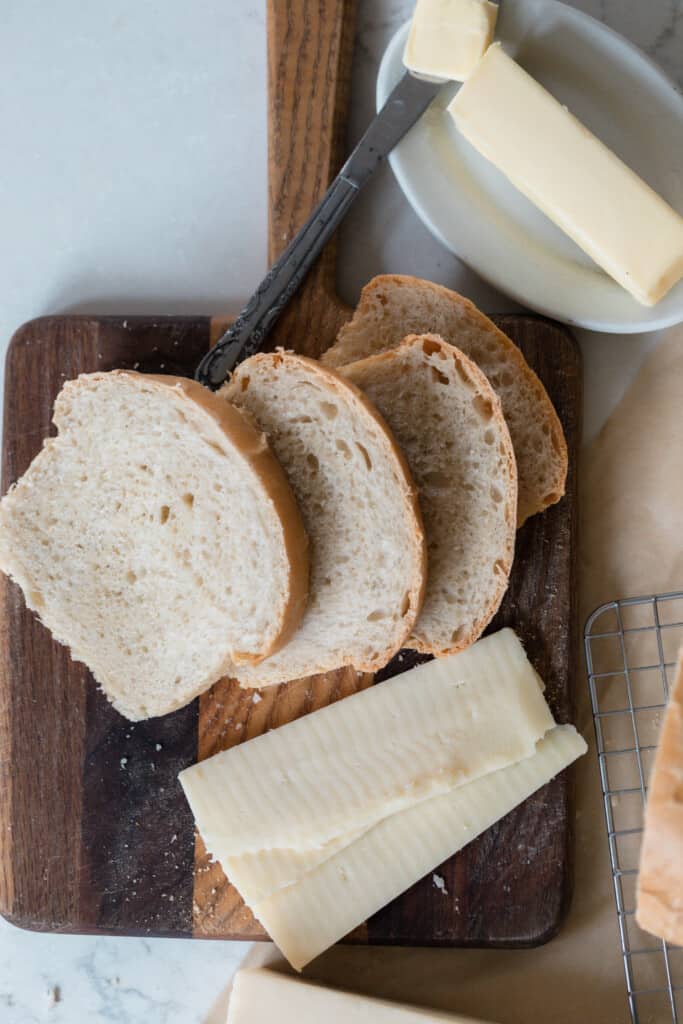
[
  {"x": 360, "y": 508},
  {"x": 392, "y": 307},
  {"x": 448, "y": 421},
  {"x": 660, "y": 880},
  {"x": 157, "y": 537}
]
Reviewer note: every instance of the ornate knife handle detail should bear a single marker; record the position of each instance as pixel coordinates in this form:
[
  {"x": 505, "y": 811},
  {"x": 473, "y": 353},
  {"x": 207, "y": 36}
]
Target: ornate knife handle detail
[
  {"x": 247, "y": 334},
  {"x": 407, "y": 102}
]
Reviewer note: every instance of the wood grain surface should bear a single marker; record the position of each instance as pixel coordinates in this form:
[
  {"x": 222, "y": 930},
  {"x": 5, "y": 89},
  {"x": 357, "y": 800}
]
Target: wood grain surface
[{"x": 95, "y": 835}]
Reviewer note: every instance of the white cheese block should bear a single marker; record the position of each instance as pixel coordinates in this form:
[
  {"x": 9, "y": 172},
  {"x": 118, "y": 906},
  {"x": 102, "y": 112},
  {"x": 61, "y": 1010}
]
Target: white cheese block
[
  {"x": 306, "y": 918},
  {"x": 448, "y": 37},
  {"x": 264, "y": 997},
  {"x": 345, "y": 766},
  {"x": 576, "y": 180}
]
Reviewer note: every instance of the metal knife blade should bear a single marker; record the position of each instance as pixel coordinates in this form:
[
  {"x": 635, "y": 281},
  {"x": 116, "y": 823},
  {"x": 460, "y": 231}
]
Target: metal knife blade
[{"x": 405, "y": 105}]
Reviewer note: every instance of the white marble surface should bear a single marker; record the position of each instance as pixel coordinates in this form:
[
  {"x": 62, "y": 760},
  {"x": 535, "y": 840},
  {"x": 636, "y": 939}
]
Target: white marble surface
[{"x": 134, "y": 179}]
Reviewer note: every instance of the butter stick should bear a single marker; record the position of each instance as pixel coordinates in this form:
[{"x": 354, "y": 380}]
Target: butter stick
[
  {"x": 449, "y": 37},
  {"x": 576, "y": 180}
]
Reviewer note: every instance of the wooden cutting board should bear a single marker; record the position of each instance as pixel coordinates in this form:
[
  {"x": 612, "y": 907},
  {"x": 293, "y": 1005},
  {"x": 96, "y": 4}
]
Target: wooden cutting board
[{"x": 95, "y": 835}]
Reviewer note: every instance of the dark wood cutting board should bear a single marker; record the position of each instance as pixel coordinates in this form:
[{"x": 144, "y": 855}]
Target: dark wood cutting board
[{"x": 95, "y": 835}]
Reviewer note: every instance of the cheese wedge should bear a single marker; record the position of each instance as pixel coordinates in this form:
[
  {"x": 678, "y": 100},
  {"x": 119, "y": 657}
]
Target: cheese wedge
[
  {"x": 344, "y": 767},
  {"x": 262, "y": 995},
  {"x": 306, "y": 918},
  {"x": 448, "y": 37},
  {"x": 577, "y": 181}
]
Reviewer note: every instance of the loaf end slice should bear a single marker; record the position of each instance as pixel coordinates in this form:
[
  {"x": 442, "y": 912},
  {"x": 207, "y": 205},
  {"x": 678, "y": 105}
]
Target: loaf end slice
[
  {"x": 449, "y": 423},
  {"x": 157, "y": 537},
  {"x": 393, "y": 306},
  {"x": 660, "y": 879},
  {"x": 360, "y": 509}
]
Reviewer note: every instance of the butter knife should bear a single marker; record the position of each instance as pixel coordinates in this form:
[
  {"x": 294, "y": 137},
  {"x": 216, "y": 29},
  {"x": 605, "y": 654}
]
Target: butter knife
[{"x": 404, "y": 107}]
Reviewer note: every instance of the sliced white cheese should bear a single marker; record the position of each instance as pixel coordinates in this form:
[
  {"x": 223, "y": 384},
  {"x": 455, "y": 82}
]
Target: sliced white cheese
[
  {"x": 448, "y": 37},
  {"x": 576, "y": 180},
  {"x": 258, "y": 875},
  {"x": 346, "y": 766},
  {"x": 306, "y": 918},
  {"x": 260, "y": 996}
]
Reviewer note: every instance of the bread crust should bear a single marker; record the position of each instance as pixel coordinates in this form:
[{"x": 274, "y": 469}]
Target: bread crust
[
  {"x": 347, "y": 392},
  {"x": 338, "y": 354},
  {"x": 253, "y": 446},
  {"x": 660, "y": 880},
  {"x": 468, "y": 369},
  {"x": 264, "y": 470}
]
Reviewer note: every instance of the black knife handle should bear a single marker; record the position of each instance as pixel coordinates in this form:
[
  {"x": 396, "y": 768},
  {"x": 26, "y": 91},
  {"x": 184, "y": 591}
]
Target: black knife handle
[
  {"x": 249, "y": 330},
  {"x": 409, "y": 99}
]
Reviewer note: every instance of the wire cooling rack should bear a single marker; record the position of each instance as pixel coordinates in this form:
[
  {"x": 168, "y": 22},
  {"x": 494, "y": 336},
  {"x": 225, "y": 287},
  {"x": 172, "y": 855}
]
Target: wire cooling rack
[{"x": 631, "y": 654}]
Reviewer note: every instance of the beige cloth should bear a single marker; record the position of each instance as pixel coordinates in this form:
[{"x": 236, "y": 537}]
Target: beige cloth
[{"x": 632, "y": 496}]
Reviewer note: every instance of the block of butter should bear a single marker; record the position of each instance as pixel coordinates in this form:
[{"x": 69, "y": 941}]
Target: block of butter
[
  {"x": 576, "y": 180},
  {"x": 448, "y": 37},
  {"x": 259, "y": 996}
]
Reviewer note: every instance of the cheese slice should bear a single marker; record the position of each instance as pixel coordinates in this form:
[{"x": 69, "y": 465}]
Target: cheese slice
[
  {"x": 345, "y": 766},
  {"x": 264, "y": 997},
  {"x": 577, "y": 181},
  {"x": 258, "y": 875},
  {"x": 448, "y": 37},
  {"x": 306, "y": 918}
]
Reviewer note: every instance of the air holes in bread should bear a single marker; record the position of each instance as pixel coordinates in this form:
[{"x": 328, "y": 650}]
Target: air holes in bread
[
  {"x": 343, "y": 447},
  {"x": 500, "y": 568},
  {"x": 364, "y": 452},
  {"x": 458, "y": 635},
  {"x": 483, "y": 408},
  {"x": 489, "y": 437},
  {"x": 313, "y": 463},
  {"x": 216, "y": 447},
  {"x": 377, "y": 615},
  {"x": 244, "y": 382},
  {"x": 130, "y": 576},
  {"x": 329, "y": 410},
  {"x": 405, "y": 605},
  {"x": 496, "y": 495},
  {"x": 188, "y": 499},
  {"x": 429, "y": 347},
  {"x": 164, "y": 513},
  {"x": 440, "y": 378}
]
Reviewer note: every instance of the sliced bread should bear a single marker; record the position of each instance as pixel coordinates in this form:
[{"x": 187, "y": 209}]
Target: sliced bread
[
  {"x": 156, "y": 535},
  {"x": 659, "y": 907},
  {"x": 448, "y": 421},
  {"x": 392, "y": 307},
  {"x": 360, "y": 508}
]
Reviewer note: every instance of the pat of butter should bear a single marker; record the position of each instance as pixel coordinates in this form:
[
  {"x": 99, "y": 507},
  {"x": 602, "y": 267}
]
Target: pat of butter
[
  {"x": 261, "y": 995},
  {"x": 448, "y": 37},
  {"x": 576, "y": 180}
]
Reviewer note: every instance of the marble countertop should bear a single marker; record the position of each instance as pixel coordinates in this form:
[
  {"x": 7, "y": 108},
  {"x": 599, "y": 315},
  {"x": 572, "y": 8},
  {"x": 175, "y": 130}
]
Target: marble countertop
[{"x": 134, "y": 180}]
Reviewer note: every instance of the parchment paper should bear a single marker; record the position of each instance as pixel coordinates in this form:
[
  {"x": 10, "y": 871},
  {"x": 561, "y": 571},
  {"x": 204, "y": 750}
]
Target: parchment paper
[{"x": 632, "y": 503}]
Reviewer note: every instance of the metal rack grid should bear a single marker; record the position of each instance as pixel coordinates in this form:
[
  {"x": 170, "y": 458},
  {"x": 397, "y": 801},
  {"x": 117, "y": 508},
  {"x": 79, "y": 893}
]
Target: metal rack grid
[{"x": 631, "y": 652}]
